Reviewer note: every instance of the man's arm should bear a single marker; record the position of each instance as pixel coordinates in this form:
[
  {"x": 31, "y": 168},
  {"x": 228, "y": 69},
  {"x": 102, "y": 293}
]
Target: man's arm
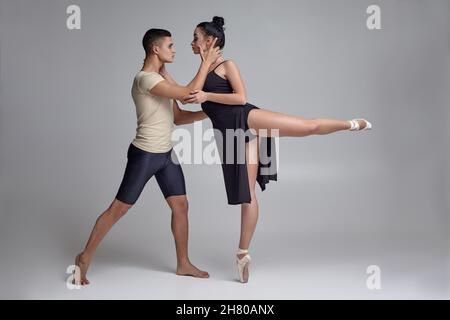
[
  {"x": 170, "y": 90},
  {"x": 181, "y": 116},
  {"x": 166, "y": 75}
]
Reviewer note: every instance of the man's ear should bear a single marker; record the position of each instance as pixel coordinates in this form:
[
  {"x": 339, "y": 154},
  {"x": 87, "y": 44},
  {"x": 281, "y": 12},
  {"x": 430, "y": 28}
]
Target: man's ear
[{"x": 155, "y": 49}]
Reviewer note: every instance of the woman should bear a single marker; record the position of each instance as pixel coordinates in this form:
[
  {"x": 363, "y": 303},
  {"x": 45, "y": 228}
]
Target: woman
[{"x": 224, "y": 100}]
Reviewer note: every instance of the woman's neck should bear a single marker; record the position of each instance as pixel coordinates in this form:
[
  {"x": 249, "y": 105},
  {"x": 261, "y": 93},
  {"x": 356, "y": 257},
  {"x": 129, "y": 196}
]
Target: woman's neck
[{"x": 218, "y": 61}]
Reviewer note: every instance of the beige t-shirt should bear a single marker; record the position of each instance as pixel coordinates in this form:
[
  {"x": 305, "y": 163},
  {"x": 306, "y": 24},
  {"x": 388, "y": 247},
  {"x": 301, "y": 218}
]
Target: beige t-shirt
[{"x": 154, "y": 114}]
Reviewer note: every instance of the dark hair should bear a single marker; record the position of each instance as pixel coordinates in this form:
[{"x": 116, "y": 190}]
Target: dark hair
[
  {"x": 151, "y": 36},
  {"x": 215, "y": 29}
]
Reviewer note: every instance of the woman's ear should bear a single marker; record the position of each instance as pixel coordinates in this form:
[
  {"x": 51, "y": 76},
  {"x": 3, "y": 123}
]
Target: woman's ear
[{"x": 209, "y": 41}]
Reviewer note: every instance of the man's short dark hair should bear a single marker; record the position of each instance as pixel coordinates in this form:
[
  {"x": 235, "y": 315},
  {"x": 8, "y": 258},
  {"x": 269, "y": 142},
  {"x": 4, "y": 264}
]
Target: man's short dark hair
[{"x": 151, "y": 36}]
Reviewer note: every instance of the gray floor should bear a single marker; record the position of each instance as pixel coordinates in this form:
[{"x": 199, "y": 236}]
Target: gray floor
[
  {"x": 323, "y": 257},
  {"x": 314, "y": 270}
]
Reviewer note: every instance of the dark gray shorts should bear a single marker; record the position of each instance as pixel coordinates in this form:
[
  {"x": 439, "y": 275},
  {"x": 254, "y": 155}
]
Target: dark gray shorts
[{"x": 142, "y": 165}]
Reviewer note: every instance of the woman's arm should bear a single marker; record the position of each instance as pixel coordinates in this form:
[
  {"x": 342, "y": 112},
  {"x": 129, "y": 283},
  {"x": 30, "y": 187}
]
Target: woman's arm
[
  {"x": 212, "y": 54},
  {"x": 170, "y": 90},
  {"x": 225, "y": 98},
  {"x": 238, "y": 96}
]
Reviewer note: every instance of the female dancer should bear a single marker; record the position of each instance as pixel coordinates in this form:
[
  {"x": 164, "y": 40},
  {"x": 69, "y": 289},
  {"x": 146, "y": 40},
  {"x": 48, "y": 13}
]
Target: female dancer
[{"x": 224, "y": 100}]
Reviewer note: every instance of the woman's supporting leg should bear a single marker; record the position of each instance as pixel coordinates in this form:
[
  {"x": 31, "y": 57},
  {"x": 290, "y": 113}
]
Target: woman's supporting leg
[
  {"x": 104, "y": 223},
  {"x": 249, "y": 211},
  {"x": 180, "y": 231},
  {"x": 295, "y": 126}
]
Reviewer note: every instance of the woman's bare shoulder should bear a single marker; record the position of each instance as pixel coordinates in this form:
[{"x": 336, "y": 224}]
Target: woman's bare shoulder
[
  {"x": 230, "y": 63},
  {"x": 230, "y": 66}
]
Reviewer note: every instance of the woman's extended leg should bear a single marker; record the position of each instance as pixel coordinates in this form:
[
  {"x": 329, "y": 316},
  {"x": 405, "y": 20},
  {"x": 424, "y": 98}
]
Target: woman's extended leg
[{"x": 295, "y": 126}]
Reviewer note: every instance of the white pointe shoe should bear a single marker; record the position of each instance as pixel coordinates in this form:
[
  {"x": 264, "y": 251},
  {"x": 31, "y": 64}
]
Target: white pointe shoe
[
  {"x": 243, "y": 264},
  {"x": 355, "y": 125}
]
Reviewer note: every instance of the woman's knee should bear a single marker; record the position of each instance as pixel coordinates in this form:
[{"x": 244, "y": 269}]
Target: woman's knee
[
  {"x": 311, "y": 126},
  {"x": 250, "y": 207},
  {"x": 253, "y": 196}
]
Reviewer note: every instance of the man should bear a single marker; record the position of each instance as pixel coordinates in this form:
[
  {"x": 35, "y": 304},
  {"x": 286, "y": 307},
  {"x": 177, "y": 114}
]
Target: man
[{"x": 150, "y": 153}]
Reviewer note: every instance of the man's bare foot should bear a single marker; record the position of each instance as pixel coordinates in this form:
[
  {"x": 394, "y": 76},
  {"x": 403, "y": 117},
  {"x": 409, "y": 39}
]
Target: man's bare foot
[
  {"x": 188, "y": 269},
  {"x": 82, "y": 262}
]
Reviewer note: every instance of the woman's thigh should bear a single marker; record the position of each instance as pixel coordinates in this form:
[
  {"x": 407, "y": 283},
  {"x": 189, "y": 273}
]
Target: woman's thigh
[{"x": 278, "y": 124}]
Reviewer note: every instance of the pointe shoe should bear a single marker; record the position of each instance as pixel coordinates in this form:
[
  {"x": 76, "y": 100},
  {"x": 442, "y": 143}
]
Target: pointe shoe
[
  {"x": 355, "y": 125},
  {"x": 243, "y": 264}
]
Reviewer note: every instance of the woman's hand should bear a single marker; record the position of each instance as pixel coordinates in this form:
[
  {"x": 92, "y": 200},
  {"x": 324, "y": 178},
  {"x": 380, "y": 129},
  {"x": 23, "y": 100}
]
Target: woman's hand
[
  {"x": 212, "y": 54},
  {"x": 196, "y": 96}
]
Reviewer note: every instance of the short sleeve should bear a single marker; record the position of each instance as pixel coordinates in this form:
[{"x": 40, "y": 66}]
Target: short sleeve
[{"x": 149, "y": 80}]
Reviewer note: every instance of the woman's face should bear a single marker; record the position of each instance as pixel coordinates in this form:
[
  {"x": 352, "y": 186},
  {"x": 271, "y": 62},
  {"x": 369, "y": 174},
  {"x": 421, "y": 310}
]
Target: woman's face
[{"x": 200, "y": 41}]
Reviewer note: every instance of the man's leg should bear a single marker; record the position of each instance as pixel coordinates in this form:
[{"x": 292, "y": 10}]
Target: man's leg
[
  {"x": 172, "y": 184},
  {"x": 104, "y": 223},
  {"x": 180, "y": 230},
  {"x": 140, "y": 167}
]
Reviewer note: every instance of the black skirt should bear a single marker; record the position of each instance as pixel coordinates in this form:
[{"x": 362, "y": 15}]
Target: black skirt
[{"x": 234, "y": 166}]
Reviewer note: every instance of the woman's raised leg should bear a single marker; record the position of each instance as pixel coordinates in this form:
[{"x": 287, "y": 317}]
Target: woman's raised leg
[{"x": 295, "y": 126}]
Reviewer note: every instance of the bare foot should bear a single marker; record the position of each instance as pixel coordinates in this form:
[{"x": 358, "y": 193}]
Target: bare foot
[
  {"x": 188, "y": 269},
  {"x": 83, "y": 263}
]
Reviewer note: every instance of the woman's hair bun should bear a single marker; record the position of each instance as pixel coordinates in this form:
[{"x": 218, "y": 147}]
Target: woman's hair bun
[{"x": 218, "y": 21}]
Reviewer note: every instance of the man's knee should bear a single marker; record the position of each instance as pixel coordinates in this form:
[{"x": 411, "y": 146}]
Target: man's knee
[
  {"x": 180, "y": 206},
  {"x": 119, "y": 208}
]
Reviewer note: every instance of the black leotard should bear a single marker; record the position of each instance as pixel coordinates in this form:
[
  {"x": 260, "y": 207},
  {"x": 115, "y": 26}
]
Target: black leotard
[{"x": 235, "y": 117}]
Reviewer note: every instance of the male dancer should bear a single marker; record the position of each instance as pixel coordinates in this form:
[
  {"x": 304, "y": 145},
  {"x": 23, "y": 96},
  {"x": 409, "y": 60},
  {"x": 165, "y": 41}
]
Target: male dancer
[{"x": 154, "y": 93}]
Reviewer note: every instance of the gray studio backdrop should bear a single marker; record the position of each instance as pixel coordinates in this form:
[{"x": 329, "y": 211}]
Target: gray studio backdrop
[{"x": 342, "y": 202}]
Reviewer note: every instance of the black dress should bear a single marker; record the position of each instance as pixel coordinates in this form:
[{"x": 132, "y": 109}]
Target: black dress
[{"x": 234, "y": 167}]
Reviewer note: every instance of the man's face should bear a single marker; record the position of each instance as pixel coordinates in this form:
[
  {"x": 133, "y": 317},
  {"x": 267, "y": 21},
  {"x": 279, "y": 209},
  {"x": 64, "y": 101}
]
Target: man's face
[{"x": 165, "y": 50}]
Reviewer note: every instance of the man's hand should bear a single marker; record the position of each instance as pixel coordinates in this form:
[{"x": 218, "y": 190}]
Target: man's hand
[
  {"x": 196, "y": 96},
  {"x": 184, "y": 117},
  {"x": 212, "y": 54}
]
